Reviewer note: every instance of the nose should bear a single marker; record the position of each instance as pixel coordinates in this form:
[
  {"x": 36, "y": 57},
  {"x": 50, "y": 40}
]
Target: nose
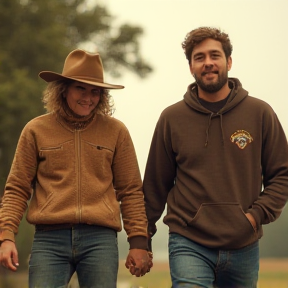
[
  {"x": 87, "y": 96},
  {"x": 208, "y": 63}
]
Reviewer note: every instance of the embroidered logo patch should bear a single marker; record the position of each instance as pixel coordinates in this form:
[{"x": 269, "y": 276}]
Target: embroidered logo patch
[{"x": 241, "y": 138}]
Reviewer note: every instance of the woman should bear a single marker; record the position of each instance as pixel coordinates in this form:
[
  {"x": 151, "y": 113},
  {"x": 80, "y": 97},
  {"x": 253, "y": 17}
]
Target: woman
[{"x": 75, "y": 164}]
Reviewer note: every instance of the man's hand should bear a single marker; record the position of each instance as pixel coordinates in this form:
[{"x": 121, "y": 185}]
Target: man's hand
[
  {"x": 252, "y": 221},
  {"x": 150, "y": 263},
  {"x": 139, "y": 262},
  {"x": 9, "y": 255}
]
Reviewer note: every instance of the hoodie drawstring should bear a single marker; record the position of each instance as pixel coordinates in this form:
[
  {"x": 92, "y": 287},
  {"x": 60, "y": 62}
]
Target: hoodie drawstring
[
  {"x": 208, "y": 127},
  {"x": 207, "y": 130},
  {"x": 221, "y": 125}
]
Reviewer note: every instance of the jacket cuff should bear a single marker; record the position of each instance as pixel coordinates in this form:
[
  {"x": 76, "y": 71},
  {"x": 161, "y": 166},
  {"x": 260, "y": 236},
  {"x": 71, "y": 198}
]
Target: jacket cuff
[
  {"x": 138, "y": 242},
  {"x": 7, "y": 235}
]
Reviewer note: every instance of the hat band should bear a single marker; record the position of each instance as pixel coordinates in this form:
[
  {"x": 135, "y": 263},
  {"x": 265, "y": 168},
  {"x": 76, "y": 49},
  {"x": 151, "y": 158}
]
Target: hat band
[{"x": 85, "y": 78}]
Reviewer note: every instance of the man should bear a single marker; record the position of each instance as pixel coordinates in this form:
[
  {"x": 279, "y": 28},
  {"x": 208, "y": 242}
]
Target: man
[{"x": 219, "y": 159}]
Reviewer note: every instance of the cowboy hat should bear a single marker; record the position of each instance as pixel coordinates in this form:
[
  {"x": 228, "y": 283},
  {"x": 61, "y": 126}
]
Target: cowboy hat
[{"x": 83, "y": 67}]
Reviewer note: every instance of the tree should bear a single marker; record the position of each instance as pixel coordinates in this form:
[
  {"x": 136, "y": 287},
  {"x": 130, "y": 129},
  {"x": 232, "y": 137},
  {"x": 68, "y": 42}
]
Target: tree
[{"x": 37, "y": 35}]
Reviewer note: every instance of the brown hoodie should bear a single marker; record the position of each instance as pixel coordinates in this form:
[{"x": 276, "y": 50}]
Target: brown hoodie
[{"x": 212, "y": 168}]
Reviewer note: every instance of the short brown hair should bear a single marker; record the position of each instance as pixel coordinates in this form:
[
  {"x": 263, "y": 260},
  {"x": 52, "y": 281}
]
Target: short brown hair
[{"x": 197, "y": 35}]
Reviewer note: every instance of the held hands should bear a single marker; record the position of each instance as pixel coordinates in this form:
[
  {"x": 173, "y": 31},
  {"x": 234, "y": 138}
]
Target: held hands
[
  {"x": 139, "y": 262},
  {"x": 9, "y": 255}
]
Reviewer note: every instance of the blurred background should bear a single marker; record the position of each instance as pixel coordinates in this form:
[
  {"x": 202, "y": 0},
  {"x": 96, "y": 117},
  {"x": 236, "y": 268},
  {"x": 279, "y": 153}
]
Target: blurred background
[{"x": 140, "y": 44}]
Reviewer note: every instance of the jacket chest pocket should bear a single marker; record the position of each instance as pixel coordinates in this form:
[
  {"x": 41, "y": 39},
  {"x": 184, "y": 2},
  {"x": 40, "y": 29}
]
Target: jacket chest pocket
[
  {"x": 57, "y": 158},
  {"x": 98, "y": 156}
]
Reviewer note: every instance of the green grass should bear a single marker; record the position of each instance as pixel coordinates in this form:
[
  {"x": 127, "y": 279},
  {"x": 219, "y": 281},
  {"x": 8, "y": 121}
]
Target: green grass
[
  {"x": 273, "y": 280},
  {"x": 161, "y": 279}
]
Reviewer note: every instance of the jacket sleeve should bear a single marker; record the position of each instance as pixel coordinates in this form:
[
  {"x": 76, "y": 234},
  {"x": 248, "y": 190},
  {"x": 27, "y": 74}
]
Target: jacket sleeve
[
  {"x": 128, "y": 188},
  {"x": 160, "y": 173},
  {"x": 269, "y": 205},
  {"x": 18, "y": 188}
]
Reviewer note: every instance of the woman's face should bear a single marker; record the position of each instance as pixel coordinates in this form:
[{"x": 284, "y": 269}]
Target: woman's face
[{"x": 82, "y": 98}]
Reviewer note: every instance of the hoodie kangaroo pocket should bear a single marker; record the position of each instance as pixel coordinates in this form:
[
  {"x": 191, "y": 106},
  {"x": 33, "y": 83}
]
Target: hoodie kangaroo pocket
[{"x": 224, "y": 224}]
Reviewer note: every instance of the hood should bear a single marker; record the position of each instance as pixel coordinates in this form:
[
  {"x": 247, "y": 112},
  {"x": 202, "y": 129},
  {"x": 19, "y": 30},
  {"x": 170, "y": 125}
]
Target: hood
[{"x": 237, "y": 94}]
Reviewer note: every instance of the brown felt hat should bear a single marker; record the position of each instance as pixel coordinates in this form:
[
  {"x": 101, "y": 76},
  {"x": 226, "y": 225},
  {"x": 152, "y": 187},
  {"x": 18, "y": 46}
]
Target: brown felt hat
[{"x": 83, "y": 67}]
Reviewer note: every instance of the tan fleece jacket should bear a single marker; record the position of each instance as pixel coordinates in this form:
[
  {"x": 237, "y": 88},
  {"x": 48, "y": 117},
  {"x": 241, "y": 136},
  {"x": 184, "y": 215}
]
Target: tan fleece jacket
[{"x": 75, "y": 176}]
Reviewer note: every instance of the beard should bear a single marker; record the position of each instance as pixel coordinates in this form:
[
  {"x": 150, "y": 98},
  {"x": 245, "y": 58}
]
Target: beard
[{"x": 213, "y": 87}]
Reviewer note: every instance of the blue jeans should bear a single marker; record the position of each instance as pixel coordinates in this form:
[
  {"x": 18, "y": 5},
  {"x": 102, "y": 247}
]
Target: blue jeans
[
  {"x": 91, "y": 251},
  {"x": 193, "y": 265}
]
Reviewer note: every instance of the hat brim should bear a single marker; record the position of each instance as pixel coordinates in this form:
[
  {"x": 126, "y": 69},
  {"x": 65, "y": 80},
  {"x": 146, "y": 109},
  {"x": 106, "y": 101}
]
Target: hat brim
[{"x": 50, "y": 76}]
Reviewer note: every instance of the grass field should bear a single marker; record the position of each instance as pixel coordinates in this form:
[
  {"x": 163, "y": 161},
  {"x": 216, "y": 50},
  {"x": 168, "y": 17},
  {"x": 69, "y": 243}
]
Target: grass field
[{"x": 273, "y": 274}]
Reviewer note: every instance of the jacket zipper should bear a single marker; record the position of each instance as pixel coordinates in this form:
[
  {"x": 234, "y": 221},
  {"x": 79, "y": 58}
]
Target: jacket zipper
[{"x": 78, "y": 161}]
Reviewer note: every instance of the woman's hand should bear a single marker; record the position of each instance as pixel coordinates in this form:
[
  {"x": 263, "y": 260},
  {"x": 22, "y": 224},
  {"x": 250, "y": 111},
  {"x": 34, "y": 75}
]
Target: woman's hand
[
  {"x": 9, "y": 255},
  {"x": 139, "y": 262}
]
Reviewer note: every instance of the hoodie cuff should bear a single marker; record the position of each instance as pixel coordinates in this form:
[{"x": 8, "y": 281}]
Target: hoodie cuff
[
  {"x": 258, "y": 215},
  {"x": 150, "y": 244},
  {"x": 138, "y": 242}
]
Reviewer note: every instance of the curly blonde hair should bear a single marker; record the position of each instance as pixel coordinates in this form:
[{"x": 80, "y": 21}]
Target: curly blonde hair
[
  {"x": 53, "y": 98},
  {"x": 197, "y": 35}
]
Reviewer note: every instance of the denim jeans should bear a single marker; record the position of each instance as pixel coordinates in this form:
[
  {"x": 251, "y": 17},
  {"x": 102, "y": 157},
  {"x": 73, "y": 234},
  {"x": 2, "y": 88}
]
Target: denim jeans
[
  {"x": 91, "y": 251},
  {"x": 193, "y": 265}
]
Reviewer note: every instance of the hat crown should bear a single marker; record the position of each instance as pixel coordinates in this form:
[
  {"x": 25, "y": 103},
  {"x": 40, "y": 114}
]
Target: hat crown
[{"x": 83, "y": 65}]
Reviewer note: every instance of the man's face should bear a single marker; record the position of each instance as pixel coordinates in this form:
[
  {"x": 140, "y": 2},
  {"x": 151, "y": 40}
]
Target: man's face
[{"x": 209, "y": 65}]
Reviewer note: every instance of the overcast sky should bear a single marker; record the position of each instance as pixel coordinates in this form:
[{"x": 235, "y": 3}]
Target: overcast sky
[{"x": 258, "y": 32}]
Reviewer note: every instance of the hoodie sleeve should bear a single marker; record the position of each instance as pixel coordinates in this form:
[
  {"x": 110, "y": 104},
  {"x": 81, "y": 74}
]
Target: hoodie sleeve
[
  {"x": 160, "y": 173},
  {"x": 269, "y": 205}
]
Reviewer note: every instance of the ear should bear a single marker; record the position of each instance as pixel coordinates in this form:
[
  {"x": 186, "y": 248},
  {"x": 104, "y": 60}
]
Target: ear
[{"x": 229, "y": 63}]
